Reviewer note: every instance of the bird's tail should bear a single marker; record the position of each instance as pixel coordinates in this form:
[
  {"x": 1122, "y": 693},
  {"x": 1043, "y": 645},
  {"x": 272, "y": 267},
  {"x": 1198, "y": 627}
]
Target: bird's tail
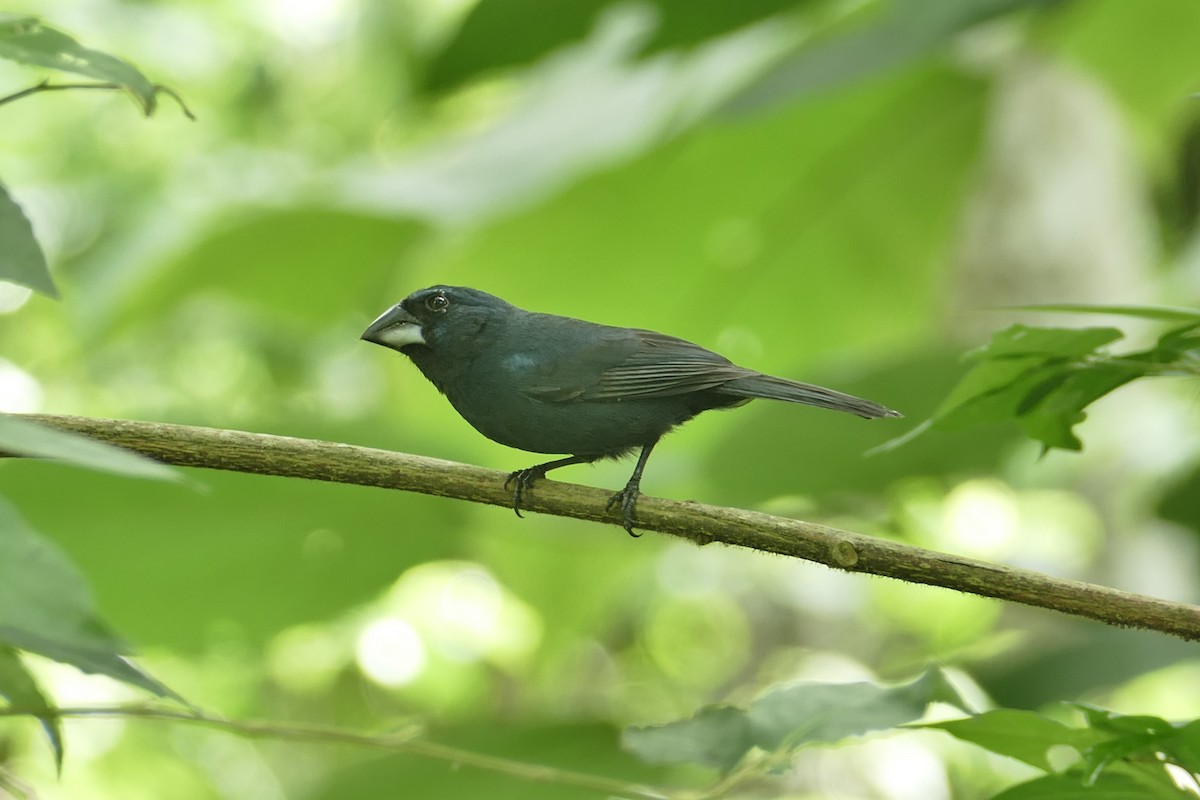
[{"x": 772, "y": 388}]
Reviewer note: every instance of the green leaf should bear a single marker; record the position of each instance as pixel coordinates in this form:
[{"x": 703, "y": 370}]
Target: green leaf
[
  {"x": 1041, "y": 378},
  {"x": 1049, "y": 418},
  {"x": 1066, "y": 343},
  {"x": 1017, "y": 357},
  {"x": 788, "y": 717},
  {"x": 812, "y": 712},
  {"x": 534, "y": 28},
  {"x": 1045, "y": 377},
  {"x": 21, "y": 258},
  {"x": 1072, "y": 787},
  {"x": 717, "y": 736},
  {"x": 1140, "y": 738},
  {"x": 26, "y": 438},
  {"x": 47, "y": 608},
  {"x": 1178, "y": 348},
  {"x": 1186, "y": 747},
  {"x": 21, "y": 690},
  {"x": 30, "y": 41},
  {"x": 992, "y": 391},
  {"x": 903, "y": 32},
  {"x": 1024, "y": 735}
]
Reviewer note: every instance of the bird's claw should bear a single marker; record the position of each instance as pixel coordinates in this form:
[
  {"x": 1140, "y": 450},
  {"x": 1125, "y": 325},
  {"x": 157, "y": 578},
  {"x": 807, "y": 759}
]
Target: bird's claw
[
  {"x": 521, "y": 481},
  {"x": 627, "y": 500}
]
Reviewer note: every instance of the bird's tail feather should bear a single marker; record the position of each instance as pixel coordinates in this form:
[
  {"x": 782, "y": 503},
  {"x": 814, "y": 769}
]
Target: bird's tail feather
[{"x": 772, "y": 388}]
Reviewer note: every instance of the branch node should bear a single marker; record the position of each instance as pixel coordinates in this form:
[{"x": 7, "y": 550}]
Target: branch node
[{"x": 844, "y": 554}]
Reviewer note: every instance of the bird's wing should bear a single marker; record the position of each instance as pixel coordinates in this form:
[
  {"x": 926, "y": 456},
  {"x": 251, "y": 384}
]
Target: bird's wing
[{"x": 635, "y": 363}]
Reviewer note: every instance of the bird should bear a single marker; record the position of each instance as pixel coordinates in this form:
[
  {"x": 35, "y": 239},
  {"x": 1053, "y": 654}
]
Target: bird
[{"x": 551, "y": 384}]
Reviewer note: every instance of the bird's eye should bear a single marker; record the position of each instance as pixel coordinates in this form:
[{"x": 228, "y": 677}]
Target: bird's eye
[{"x": 436, "y": 302}]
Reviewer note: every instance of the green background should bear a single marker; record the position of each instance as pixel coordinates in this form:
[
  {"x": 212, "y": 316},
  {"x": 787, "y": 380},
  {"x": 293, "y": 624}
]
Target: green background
[{"x": 804, "y": 187}]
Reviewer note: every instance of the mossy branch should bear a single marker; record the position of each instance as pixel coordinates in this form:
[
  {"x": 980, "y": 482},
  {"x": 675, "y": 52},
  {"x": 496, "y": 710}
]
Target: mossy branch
[{"x": 264, "y": 454}]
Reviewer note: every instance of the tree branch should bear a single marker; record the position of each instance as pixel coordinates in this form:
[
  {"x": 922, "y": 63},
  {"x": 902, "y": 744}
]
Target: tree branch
[
  {"x": 342, "y": 463},
  {"x": 400, "y": 742}
]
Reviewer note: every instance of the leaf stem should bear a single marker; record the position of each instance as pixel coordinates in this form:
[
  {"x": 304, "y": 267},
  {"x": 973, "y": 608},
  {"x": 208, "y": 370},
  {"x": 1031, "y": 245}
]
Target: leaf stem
[
  {"x": 47, "y": 86},
  {"x": 404, "y": 741}
]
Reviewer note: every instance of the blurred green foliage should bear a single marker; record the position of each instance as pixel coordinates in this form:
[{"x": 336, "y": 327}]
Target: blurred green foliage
[
  {"x": 28, "y": 40},
  {"x": 789, "y": 717},
  {"x": 1109, "y": 755},
  {"x": 1044, "y": 378},
  {"x": 792, "y": 184}
]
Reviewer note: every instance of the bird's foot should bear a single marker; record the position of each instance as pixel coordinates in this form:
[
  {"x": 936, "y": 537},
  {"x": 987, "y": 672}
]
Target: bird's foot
[
  {"x": 627, "y": 500},
  {"x": 521, "y": 482}
]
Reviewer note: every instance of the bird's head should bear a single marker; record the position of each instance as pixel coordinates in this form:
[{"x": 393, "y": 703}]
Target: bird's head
[{"x": 440, "y": 317}]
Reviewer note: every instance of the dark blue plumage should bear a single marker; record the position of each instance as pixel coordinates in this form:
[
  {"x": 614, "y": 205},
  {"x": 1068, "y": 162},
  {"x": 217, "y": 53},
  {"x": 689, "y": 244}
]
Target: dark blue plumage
[{"x": 551, "y": 384}]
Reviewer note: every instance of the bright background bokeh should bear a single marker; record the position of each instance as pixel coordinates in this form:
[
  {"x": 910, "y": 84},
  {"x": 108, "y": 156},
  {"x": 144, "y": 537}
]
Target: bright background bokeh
[{"x": 857, "y": 222}]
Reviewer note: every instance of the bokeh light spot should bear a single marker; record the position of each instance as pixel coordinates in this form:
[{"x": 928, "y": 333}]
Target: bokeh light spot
[{"x": 390, "y": 652}]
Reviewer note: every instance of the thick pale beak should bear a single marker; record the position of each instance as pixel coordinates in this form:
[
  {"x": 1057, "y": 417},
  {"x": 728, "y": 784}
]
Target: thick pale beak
[{"x": 395, "y": 328}]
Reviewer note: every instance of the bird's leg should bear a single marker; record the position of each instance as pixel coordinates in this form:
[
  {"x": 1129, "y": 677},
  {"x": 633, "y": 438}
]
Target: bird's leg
[
  {"x": 522, "y": 480},
  {"x": 627, "y": 497}
]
